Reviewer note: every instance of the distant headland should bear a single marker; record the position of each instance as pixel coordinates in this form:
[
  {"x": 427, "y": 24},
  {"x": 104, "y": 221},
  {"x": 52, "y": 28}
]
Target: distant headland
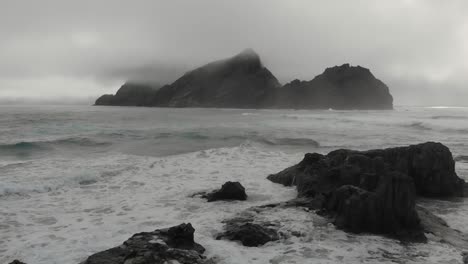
[{"x": 243, "y": 81}]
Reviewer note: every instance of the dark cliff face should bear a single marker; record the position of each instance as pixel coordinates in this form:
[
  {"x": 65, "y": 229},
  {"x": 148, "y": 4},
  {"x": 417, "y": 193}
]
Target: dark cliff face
[
  {"x": 243, "y": 82},
  {"x": 339, "y": 87},
  {"x": 375, "y": 190},
  {"x": 130, "y": 94},
  {"x": 239, "y": 82}
]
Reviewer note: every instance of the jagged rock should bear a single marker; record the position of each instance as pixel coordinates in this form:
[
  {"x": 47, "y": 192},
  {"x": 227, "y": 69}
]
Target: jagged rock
[
  {"x": 17, "y": 262},
  {"x": 171, "y": 245},
  {"x": 249, "y": 234},
  {"x": 130, "y": 94},
  {"x": 243, "y": 82},
  {"x": 430, "y": 164},
  {"x": 106, "y": 99},
  {"x": 229, "y": 191},
  {"x": 249, "y": 228},
  {"x": 374, "y": 191},
  {"x": 387, "y": 210},
  {"x": 339, "y": 87}
]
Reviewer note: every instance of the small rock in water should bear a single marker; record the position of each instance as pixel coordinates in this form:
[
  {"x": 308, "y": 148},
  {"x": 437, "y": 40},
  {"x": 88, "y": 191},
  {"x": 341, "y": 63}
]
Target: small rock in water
[
  {"x": 170, "y": 245},
  {"x": 229, "y": 191},
  {"x": 17, "y": 262},
  {"x": 249, "y": 234}
]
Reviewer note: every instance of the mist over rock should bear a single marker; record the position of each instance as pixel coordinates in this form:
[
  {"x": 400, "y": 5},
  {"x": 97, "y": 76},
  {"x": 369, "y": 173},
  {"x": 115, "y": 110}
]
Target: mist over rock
[
  {"x": 339, "y": 87},
  {"x": 130, "y": 94},
  {"x": 243, "y": 82}
]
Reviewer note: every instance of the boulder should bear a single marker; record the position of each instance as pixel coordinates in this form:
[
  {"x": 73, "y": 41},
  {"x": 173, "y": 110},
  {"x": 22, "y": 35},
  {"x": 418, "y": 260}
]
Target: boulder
[
  {"x": 170, "y": 245},
  {"x": 430, "y": 165},
  {"x": 229, "y": 191},
  {"x": 17, "y": 262},
  {"x": 375, "y": 191},
  {"x": 249, "y": 234}
]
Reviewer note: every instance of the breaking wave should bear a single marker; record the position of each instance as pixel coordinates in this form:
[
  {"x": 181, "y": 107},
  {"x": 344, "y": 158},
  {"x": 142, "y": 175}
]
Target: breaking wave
[
  {"x": 27, "y": 148},
  {"x": 417, "y": 126}
]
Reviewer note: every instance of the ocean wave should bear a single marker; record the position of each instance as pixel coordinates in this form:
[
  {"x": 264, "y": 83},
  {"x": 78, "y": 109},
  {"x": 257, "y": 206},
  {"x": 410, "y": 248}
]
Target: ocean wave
[
  {"x": 461, "y": 158},
  {"x": 22, "y": 189},
  {"x": 417, "y": 126},
  {"x": 25, "y": 148},
  {"x": 289, "y": 141},
  {"x": 239, "y": 138},
  {"x": 449, "y": 117}
]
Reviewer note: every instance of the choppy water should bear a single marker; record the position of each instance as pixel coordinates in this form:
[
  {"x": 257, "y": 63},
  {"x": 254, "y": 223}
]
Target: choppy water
[{"x": 76, "y": 180}]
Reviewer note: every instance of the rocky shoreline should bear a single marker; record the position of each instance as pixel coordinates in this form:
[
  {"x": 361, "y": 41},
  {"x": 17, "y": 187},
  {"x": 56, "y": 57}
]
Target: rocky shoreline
[{"x": 372, "y": 191}]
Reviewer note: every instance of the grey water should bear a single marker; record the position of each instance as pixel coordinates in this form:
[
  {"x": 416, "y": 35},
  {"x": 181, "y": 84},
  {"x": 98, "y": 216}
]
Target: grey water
[{"x": 73, "y": 169}]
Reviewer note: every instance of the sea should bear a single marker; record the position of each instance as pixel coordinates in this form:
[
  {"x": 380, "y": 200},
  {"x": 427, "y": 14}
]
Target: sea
[{"x": 75, "y": 180}]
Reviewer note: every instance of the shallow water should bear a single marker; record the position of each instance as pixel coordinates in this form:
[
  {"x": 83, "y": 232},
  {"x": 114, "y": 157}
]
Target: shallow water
[{"x": 76, "y": 180}]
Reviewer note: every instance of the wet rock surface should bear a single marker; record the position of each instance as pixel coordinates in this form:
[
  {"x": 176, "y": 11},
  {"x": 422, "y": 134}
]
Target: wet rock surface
[
  {"x": 374, "y": 191},
  {"x": 171, "y": 245},
  {"x": 229, "y": 191},
  {"x": 249, "y": 234}
]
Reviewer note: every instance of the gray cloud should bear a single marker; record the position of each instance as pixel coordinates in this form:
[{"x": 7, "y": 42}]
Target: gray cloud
[{"x": 84, "y": 48}]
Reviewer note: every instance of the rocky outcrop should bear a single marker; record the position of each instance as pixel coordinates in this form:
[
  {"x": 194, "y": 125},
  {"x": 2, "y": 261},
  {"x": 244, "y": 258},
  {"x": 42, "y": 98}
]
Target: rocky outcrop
[
  {"x": 229, "y": 191},
  {"x": 17, "y": 262},
  {"x": 374, "y": 191},
  {"x": 130, "y": 94},
  {"x": 339, "y": 87},
  {"x": 238, "y": 82},
  {"x": 243, "y": 82},
  {"x": 249, "y": 234},
  {"x": 171, "y": 245}
]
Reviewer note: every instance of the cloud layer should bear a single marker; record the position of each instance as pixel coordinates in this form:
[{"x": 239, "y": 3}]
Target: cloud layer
[{"x": 80, "y": 49}]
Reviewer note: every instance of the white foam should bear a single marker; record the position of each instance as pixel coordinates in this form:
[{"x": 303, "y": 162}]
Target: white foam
[{"x": 128, "y": 194}]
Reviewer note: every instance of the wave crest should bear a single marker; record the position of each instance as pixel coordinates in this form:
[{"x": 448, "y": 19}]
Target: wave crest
[{"x": 26, "y": 148}]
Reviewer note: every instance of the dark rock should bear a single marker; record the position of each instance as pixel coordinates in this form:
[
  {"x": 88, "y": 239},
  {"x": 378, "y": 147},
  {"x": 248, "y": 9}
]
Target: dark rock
[
  {"x": 430, "y": 165},
  {"x": 374, "y": 191},
  {"x": 249, "y": 234},
  {"x": 130, "y": 94},
  {"x": 243, "y": 82},
  {"x": 229, "y": 191},
  {"x": 158, "y": 247},
  {"x": 339, "y": 87},
  {"x": 106, "y": 99},
  {"x": 387, "y": 210},
  {"x": 17, "y": 262},
  {"x": 465, "y": 257}
]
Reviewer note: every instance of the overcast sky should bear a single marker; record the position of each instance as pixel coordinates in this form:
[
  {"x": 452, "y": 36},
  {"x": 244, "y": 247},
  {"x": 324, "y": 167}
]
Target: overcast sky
[{"x": 80, "y": 49}]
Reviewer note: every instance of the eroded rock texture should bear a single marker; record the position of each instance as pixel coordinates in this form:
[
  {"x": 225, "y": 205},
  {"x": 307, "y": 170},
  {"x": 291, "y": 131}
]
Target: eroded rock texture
[
  {"x": 171, "y": 245},
  {"x": 242, "y": 81},
  {"x": 374, "y": 191},
  {"x": 229, "y": 191}
]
